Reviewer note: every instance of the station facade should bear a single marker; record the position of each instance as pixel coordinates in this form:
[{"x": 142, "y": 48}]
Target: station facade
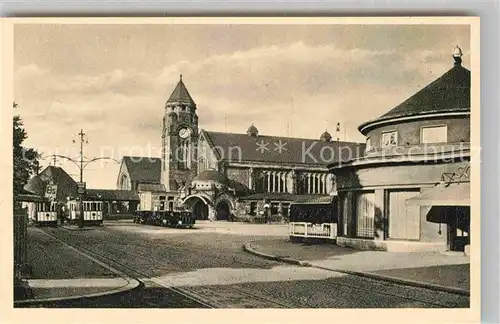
[{"x": 230, "y": 175}]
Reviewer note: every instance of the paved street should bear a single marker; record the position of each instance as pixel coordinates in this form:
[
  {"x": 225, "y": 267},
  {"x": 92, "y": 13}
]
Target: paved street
[{"x": 207, "y": 267}]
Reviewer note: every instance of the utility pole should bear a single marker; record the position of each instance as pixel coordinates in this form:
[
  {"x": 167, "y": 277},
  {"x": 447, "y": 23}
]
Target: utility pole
[
  {"x": 81, "y": 189},
  {"x": 81, "y": 134},
  {"x": 82, "y": 164}
]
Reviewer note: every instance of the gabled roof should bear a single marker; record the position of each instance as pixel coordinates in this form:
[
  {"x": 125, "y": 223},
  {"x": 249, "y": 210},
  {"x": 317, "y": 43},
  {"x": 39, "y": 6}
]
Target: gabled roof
[
  {"x": 153, "y": 187},
  {"x": 143, "y": 168},
  {"x": 293, "y": 150},
  {"x": 66, "y": 185},
  {"x": 35, "y": 186},
  {"x": 449, "y": 93},
  {"x": 181, "y": 94}
]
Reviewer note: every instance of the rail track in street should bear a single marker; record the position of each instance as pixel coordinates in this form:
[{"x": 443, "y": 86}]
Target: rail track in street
[
  {"x": 219, "y": 297},
  {"x": 241, "y": 296}
]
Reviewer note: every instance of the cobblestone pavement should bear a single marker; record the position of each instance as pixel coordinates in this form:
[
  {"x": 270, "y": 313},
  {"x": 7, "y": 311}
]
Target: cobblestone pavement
[
  {"x": 208, "y": 268},
  {"x": 58, "y": 271}
]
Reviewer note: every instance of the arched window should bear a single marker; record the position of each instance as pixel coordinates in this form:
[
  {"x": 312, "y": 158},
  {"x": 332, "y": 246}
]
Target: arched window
[{"x": 201, "y": 164}]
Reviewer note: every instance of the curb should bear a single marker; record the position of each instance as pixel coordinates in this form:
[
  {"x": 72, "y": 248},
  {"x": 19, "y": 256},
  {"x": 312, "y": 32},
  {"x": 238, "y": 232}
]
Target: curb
[
  {"x": 248, "y": 248},
  {"x": 69, "y": 228},
  {"x": 131, "y": 283}
]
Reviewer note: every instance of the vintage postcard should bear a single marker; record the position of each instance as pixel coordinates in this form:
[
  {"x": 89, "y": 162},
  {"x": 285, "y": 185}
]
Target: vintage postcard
[{"x": 276, "y": 170}]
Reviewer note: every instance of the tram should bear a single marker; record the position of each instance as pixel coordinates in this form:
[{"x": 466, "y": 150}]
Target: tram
[
  {"x": 92, "y": 212},
  {"x": 46, "y": 213},
  {"x": 313, "y": 220}
]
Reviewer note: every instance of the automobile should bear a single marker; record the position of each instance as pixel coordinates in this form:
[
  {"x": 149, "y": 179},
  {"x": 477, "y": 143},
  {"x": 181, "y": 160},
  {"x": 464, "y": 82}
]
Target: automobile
[{"x": 177, "y": 219}]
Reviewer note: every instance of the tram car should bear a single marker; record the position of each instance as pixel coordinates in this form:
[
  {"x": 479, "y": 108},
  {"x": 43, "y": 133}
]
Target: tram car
[
  {"x": 92, "y": 212},
  {"x": 46, "y": 213},
  {"x": 312, "y": 220}
]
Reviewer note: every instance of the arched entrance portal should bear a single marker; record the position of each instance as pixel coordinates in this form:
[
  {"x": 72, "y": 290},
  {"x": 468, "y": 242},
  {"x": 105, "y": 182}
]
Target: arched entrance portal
[
  {"x": 222, "y": 210},
  {"x": 200, "y": 209}
]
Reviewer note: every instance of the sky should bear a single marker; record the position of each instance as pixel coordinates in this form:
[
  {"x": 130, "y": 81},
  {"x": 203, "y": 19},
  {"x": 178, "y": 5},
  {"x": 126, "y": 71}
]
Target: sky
[{"x": 112, "y": 81}]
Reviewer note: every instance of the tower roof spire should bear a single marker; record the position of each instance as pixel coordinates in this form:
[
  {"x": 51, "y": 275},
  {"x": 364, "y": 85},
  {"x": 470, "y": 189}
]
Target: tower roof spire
[{"x": 181, "y": 94}]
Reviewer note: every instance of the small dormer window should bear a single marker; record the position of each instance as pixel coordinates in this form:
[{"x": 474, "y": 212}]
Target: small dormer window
[
  {"x": 389, "y": 139},
  {"x": 368, "y": 144}
]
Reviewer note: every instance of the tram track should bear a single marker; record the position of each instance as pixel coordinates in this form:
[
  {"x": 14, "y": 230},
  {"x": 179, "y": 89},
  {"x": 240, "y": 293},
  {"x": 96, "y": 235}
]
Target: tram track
[
  {"x": 243, "y": 296},
  {"x": 229, "y": 296}
]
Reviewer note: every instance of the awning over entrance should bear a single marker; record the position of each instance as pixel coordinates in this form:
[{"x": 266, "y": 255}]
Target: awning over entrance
[{"x": 454, "y": 194}]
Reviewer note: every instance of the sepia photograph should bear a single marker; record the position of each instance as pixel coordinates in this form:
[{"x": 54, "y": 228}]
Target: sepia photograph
[{"x": 245, "y": 163}]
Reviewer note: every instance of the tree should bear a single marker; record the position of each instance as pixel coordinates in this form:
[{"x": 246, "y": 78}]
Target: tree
[{"x": 25, "y": 159}]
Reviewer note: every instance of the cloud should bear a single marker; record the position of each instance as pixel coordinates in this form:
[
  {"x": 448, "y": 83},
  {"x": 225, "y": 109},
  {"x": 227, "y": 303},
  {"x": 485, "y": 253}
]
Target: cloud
[{"x": 295, "y": 89}]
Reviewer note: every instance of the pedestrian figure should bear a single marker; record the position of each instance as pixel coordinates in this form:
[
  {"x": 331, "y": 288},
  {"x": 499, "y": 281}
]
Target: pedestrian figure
[{"x": 211, "y": 215}]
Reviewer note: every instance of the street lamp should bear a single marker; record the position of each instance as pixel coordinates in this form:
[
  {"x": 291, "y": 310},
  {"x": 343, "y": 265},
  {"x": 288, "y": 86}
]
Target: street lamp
[{"x": 81, "y": 164}]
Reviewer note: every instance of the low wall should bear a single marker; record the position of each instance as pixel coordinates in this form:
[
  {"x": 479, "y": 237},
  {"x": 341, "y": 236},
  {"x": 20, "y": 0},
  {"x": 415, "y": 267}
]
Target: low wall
[{"x": 390, "y": 246}]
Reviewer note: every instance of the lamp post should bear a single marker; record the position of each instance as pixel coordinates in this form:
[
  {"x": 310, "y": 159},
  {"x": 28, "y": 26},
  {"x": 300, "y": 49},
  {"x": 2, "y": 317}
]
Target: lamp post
[{"x": 81, "y": 164}]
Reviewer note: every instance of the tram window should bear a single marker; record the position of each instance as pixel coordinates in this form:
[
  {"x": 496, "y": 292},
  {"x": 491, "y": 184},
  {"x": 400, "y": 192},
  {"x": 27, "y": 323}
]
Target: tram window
[{"x": 94, "y": 207}]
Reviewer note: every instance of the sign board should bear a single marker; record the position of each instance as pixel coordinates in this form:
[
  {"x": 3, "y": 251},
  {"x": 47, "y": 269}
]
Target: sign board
[
  {"x": 51, "y": 191},
  {"x": 81, "y": 187}
]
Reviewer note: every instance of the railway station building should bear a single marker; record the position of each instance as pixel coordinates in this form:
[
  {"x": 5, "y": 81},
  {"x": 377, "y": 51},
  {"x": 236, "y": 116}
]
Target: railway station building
[
  {"x": 410, "y": 191},
  {"x": 229, "y": 175}
]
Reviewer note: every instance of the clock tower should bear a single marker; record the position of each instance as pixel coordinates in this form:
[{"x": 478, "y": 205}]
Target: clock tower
[{"x": 179, "y": 139}]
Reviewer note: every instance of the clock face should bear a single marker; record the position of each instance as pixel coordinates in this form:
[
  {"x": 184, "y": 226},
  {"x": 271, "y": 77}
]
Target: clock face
[{"x": 184, "y": 132}]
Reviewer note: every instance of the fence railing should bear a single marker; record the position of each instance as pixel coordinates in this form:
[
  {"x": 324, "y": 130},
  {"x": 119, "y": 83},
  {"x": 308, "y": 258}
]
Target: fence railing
[
  {"x": 303, "y": 229},
  {"x": 20, "y": 238}
]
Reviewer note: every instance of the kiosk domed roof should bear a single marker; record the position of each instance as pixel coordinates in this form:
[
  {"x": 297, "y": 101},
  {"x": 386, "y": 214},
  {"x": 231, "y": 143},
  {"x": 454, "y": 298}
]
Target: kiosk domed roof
[{"x": 449, "y": 93}]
